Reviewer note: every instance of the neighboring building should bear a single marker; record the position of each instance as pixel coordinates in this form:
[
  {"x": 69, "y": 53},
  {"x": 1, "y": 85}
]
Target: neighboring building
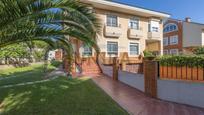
[
  {"x": 55, "y": 55},
  {"x": 127, "y": 31},
  {"x": 182, "y": 36}
]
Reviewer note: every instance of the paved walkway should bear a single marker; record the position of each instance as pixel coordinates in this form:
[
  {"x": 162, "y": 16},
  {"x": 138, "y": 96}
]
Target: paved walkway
[{"x": 136, "y": 103}]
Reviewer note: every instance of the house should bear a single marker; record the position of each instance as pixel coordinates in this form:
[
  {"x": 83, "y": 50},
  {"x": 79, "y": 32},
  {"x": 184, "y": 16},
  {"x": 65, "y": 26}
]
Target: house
[
  {"x": 55, "y": 55},
  {"x": 182, "y": 36},
  {"x": 126, "y": 32}
]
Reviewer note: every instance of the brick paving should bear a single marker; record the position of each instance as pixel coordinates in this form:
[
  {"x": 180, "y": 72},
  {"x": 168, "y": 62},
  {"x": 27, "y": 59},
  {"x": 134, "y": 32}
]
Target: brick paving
[{"x": 137, "y": 103}]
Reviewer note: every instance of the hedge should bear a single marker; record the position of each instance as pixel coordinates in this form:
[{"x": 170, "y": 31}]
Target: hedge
[{"x": 182, "y": 60}]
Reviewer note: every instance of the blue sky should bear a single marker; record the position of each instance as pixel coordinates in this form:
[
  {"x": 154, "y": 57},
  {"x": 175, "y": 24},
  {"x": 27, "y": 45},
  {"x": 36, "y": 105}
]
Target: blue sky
[{"x": 179, "y": 9}]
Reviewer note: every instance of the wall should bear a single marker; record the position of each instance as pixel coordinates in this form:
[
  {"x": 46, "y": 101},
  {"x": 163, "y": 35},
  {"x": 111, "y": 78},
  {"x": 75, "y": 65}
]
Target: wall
[
  {"x": 192, "y": 34},
  {"x": 181, "y": 92},
  {"x": 132, "y": 79}
]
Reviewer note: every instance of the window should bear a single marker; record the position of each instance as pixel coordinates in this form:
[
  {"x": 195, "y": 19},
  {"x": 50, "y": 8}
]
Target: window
[
  {"x": 165, "y": 41},
  {"x": 112, "y": 48},
  {"x": 87, "y": 51},
  {"x": 165, "y": 52},
  {"x": 174, "y": 51},
  {"x": 112, "y": 20},
  {"x": 153, "y": 26},
  {"x": 173, "y": 40},
  {"x": 134, "y": 49},
  {"x": 170, "y": 28},
  {"x": 155, "y": 29},
  {"x": 134, "y": 23}
]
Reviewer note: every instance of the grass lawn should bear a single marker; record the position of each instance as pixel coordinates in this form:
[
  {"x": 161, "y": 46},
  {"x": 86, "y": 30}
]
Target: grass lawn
[
  {"x": 57, "y": 97},
  {"x": 21, "y": 75}
]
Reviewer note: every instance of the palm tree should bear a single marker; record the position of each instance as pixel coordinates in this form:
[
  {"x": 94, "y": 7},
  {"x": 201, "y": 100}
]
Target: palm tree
[{"x": 49, "y": 21}]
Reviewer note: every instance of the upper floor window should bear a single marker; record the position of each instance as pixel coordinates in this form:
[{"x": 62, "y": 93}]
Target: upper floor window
[
  {"x": 153, "y": 26},
  {"x": 112, "y": 48},
  {"x": 134, "y": 49},
  {"x": 165, "y": 41},
  {"x": 174, "y": 40},
  {"x": 170, "y": 28},
  {"x": 112, "y": 20},
  {"x": 134, "y": 23}
]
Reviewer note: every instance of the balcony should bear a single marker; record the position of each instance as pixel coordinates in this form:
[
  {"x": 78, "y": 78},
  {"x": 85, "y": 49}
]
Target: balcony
[
  {"x": 110, "y": 31},
  {"x": 154, "y": 35},
  {"x": 135, "y": 33}
]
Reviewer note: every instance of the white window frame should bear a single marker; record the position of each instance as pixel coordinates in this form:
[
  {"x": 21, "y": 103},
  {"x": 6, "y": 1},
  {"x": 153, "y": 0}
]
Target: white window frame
[
  {"x": 166, "y": 41},
  {"x": 152, "y": 28},
  {"x": 117, "y": 23},
  {"x": 169, "y": 25},
  {"x": 135, "y": 20},
  {"x": 171, "y": 50},
  {"x": 129, "y": 54},
  {"x": 108, "y": 55},
  {"x": 173, "y": 40}
]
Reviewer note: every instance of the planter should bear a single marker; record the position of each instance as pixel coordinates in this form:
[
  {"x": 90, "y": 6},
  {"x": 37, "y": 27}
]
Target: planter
[
  {"x": 194, "y": 73},
  {"x": 179, "y": 72},
  {"x": 161, "y": 71},
  {"x": 174, "y": 73},
  {"x": 200, "y": 74},
  {"x": 165, "y": 72},
  {"x": 189, "y": 73},
  {"x": 184, "y": 72},
  {"x": 169, "y": 72}
]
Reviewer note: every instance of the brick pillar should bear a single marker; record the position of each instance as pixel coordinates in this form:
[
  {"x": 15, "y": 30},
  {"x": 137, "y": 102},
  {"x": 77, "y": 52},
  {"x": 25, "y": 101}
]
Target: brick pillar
[
  {"x": 115, "y": 68},
  {"x": 150, "y": 77},
  {"x": 124, "y": 65}
]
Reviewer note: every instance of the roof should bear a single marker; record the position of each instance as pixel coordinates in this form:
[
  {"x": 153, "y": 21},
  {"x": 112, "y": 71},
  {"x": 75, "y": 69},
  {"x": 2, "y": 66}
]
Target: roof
[{"x": 125, "y": 8}]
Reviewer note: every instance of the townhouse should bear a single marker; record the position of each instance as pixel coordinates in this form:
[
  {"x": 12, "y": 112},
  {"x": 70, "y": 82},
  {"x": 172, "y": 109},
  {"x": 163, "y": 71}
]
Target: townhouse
[
  {"x": 181, "y": 37},
  {"x": 126, "y": 32}
]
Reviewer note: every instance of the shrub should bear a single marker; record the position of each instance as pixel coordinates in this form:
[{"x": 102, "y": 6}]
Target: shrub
[
  {"x": 148, "y": 54},
  {"x": 182, "y": 60},
  {"x": 56, "y": 63},
  {"x": 199, "y": 51}
]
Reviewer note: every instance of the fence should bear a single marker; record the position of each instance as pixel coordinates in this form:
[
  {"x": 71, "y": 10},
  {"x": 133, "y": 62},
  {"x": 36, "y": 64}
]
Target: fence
[{"x": 182, "y": 73}]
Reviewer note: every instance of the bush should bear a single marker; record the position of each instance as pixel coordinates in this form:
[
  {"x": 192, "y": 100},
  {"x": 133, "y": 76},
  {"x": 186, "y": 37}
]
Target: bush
[
  {"x": 56, "y": 63},
  {"x": 182, "y": 60},
  {"x": 199, "y": 51},
  {"x": 148, "y": 54}
]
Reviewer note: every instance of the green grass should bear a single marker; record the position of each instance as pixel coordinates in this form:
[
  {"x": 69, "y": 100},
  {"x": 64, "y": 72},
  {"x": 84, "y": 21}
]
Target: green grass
[
  {"x": 21, "y": 75},
  {"x": 57, "y": 97}
]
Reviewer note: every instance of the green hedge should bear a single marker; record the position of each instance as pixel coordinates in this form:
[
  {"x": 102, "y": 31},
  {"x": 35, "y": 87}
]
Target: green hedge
[{"x": 182, "y": 60}]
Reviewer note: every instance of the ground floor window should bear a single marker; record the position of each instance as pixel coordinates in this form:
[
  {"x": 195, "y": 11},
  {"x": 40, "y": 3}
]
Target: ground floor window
[
  {"x": 174, "y": 51},
  {"x": 165, "y": 52},
  {"x": 112, "y": 48},
  {"x": 87, "y": 51},
  {"x": 134, "y": 49}
]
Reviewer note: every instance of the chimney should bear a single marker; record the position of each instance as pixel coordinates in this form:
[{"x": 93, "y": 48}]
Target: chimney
[{"x": 188, "y": 19}]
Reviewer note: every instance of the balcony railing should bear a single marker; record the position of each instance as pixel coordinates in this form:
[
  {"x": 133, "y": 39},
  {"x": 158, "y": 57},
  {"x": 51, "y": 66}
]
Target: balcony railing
[
  {"x": 112, "y": 31},
  {"x": 135, "y": 33},
  {"x": 154, "y": 35}
]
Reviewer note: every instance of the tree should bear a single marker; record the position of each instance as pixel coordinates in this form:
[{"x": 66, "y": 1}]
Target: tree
[
  {"x": 49, "y": 21},
  {"x": 14, "y": 53}
]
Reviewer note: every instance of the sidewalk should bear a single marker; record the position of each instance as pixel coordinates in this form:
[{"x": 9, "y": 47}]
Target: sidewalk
[{"x": 136, "y": 103}]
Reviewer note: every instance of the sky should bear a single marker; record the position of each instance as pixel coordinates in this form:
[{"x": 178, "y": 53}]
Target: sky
[{"x": 178, "y": 9}]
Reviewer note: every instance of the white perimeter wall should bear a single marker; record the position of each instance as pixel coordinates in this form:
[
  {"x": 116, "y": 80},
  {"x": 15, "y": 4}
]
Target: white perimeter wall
[{"x": 181, "y": 92}]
